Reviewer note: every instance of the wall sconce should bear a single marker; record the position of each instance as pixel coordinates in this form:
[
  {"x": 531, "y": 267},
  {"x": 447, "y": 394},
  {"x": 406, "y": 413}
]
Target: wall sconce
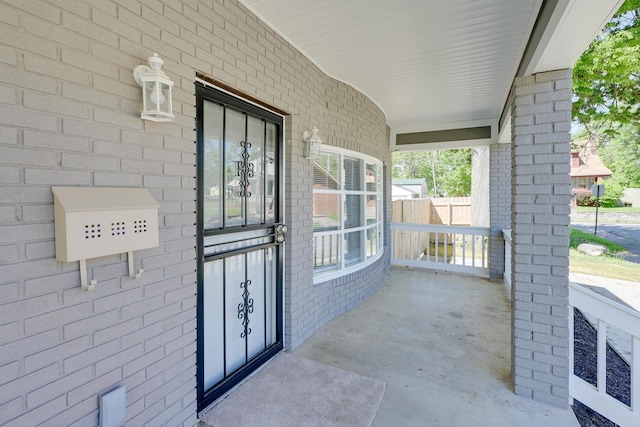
[
  {"x": 313, "y": 143},
  {"x": 156, "y": 90}
]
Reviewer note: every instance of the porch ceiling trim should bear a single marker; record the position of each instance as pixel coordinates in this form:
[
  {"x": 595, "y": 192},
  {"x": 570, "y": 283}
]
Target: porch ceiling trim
[
  {"x": 444, "y": 136},
  {"x": 564, "y": 30},
  {"x": 428, "y": 64}
]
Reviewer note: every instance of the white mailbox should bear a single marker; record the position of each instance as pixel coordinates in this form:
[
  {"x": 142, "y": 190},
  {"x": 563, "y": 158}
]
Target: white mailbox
[{"x": 92, "y": 222}]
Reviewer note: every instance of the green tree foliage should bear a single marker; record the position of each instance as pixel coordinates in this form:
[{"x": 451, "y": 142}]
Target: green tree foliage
[
  {"x": 606, "y": 78},
  {"x": 606, "y": 101},
  {"x": 447, "y": 172},
  {"x": 621, "y": 154}
]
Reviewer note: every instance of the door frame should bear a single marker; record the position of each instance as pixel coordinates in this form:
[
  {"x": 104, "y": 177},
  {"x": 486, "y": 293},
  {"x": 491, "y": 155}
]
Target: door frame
[{"x": 205, "y": 91}]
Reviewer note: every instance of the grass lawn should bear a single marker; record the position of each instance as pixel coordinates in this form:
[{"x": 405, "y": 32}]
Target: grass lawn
[
  {"x": 607, "y": 265},
  {"x": 623, "y": 209},
  {"x": 577, "y": 237}
]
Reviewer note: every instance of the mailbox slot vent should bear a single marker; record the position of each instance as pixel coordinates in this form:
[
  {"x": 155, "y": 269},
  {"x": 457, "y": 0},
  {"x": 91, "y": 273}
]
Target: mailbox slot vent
[
  {"x": 140, "y": 226},
  {"x": 92, "y": 231},
  {"x": 117, "y": 228}
]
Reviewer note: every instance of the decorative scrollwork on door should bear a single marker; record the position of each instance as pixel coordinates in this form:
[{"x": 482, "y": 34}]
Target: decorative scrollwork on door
[
  {"x": 245, "y": 308},
  {"x": 244, "y": 170}
]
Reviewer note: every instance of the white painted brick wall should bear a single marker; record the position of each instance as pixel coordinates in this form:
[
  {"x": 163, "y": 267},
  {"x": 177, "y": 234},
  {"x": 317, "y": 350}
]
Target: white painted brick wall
[
  {"x": 348, "y": 122},
  {"x": 500, "y": 206},
  {"x": 540, "y": 232},
  {"x": 69, "y": 116}
]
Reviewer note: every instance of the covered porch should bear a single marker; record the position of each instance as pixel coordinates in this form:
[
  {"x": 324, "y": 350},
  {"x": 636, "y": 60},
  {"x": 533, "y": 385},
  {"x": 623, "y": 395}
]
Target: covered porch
[
  {"x": 373, "y": 76},
  {"x": 442, "y": 344}
]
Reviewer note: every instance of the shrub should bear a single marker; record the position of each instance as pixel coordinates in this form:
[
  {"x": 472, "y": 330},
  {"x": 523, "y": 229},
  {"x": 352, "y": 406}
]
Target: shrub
[
  {"x": 583, "y": 197},
  {"x": 612, "y": 194}
]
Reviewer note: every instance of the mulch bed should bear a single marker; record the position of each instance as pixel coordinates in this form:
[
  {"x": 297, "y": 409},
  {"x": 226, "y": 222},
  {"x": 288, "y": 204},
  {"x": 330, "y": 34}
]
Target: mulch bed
[{"x": 586, "y": 367}]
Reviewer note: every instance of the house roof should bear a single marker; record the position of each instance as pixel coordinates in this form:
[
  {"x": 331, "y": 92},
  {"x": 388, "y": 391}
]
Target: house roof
[
  {"x": 440, "y": 70},
  {"x": 410, "y": 181},
  {"x": 589, "y": 161},
  {"x": 403, "y": 191}
]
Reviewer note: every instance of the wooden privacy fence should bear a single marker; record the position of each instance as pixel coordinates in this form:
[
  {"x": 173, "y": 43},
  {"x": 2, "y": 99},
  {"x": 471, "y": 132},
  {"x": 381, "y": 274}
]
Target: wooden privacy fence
[
  {"x": 447, "y": 211},
  {"x": 631, "y": 197}
]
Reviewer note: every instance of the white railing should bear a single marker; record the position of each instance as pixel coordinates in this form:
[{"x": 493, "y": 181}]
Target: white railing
[
  {"x": 507, "y": 257},
  {"x": 458, "y": 249},
  {"x": 607, "y": 312}
]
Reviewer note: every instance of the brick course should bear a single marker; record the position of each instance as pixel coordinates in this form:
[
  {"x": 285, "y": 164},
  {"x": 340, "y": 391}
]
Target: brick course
[
  {"x": 70, "y": 115},
  {"x": 500, "y": 206}
]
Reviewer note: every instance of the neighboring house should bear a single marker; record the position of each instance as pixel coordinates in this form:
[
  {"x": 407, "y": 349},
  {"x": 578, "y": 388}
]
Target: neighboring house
[
  {"x": 409, "y": 188},
  {"x": 225, "y": 287},
  {"x": 586, "y": 167},
  {"x": 324, "y": 204}
]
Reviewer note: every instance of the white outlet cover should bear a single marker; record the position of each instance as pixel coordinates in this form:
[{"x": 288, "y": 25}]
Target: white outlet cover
[{"x": 113, "y": 407}]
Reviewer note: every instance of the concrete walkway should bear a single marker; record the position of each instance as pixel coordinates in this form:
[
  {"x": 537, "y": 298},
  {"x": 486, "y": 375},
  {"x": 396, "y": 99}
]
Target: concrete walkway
[
  {"x": 442, "y": 344},
  {"x": 624, "y": 291}
]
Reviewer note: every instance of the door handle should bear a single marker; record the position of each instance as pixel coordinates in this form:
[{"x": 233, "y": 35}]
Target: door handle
[{"x": 281, "y": 230}]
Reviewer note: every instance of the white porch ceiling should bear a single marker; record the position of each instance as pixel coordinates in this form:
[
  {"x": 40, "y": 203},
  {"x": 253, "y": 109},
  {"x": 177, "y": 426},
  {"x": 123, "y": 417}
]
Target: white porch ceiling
[{"x": 430, "y": 64}]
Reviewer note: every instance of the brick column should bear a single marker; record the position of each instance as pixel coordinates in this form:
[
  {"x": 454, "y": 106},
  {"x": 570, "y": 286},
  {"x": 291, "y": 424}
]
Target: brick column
[
  {"x": 500, "y": 206},
  {"x": 540, "y": 147}
]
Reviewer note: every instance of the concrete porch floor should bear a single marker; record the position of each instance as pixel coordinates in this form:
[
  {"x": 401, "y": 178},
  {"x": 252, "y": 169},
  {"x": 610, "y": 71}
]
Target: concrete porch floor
[{"x": 442, "y": 344}]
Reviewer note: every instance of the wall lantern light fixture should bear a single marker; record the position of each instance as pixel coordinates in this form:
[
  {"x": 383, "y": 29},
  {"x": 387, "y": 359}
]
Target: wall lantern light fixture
[
  {"x": 313, "y": 143},
  {"x": 156, "y": 90}
]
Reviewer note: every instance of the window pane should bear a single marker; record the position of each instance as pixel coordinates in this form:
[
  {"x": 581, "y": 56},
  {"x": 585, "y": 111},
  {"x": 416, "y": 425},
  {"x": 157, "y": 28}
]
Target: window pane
[
  {"x": 272, "y": 185},
  {"x": 256, "y": 287},
  {"x": 255, "y": 191},
  {"x": 326, "y": 212},
  {"x": 352, "y": 174},
  {"x": 326, "y": 252},
  {"x": 372, "y": 242},
  {"x": 372, "y": 209},
  {"x": 353, "y": 252},
  {"x": 235, "y": 127},
  {"x": 235, "y": 350},
  {"x": 213, "y": 187},
  {"x": 371, "y": 177},
  {"x": 327, "y": 171},
  {"x": 213, "y": 297},
  {"x": 353, "y": 211},
  {"x": 271, "y": 293}
]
